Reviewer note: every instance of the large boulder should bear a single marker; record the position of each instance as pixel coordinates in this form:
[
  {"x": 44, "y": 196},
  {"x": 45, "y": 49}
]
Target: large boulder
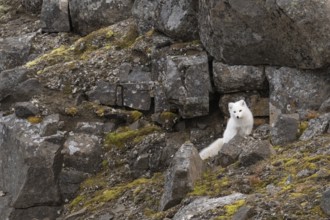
[
  {"x": 15, "y": 51},
  {"x": 278, "y": 32},
  {"x": 55, "y": 16},
  {"x": 144, "y": 13},
  {"x": 87, "y": 16},
  {"x": 29, "y": 170}
]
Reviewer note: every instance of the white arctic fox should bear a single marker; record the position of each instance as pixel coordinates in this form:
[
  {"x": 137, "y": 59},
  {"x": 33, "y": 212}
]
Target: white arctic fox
[{"x": 240, "y": 122}]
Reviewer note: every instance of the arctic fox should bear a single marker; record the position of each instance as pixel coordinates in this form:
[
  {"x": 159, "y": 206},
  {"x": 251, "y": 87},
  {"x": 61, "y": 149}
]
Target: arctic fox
[{"x": 240, "y": 122}]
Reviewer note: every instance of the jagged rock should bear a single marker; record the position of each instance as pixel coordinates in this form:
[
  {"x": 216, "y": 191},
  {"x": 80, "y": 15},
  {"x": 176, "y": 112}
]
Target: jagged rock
[
  {"x": 177, "y": 19},
  {"x": 316, "y": 127},
  {"x": 284, "y": 129},
  {"x": 25, "y": 109},
  {"x": 183, "y": 75},
  {"x": 144, "y": 14},
  {"x": 222, "y": 21},
  {"x": 325, "y": 107},
  {"x": 258, "y": 104},
  {"x": 9, "y": 80},
  {"x": 325, "y": 202},
  {"x": 39, "y": 212},
  {"x": 243, "y": 213},
  {"x": 136, "y": 96},
  {"x": 247, "y": 151},
  {"x": 204, "y": 204},
  {"x": 103, "y": 92},
  {"x": 228, "y": 79},
  {"x": 69, "y": 182},
  {"x": 33, "y": 6},
  {"x": 55, "y": 16},
  {"x": 82, "y": 152},
  {"x": 262, "y": 132},
  {"x": 25, "y": 90},
  {"x": 14, "y": 51},
  {"x": 87, "y": 16},
  {"x": 29, "y": 169},
  {"x": 185, "y": 169},
  {"x": 293, "y": 90}
]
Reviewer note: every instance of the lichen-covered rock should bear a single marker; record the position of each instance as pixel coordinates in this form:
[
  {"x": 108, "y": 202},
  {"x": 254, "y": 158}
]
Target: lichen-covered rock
[
  {"x": 325, "y": 202},
  {"x": 29, "y": 169},
  {"x": 144, "y": 13},
  {"x": 185, "y": 169},
  {"x": 33, "y": 6},
  {"x": 297, "y": 91},
  {"x": 87, "y": 16},
  {"x": 25, "y": 109},
  {"x": 177, "y": 18},
  {"x": 10, "y": 79},
  {"x": 291, "y": 34},
  {"x": 316, "y": 127},
  {"x": 55, "y": 16},
  {"x": 104, "y": 92},
  {"x": 228, "y": 79},
  {"x": 14, "y": 51},
  {"x": 183, "y": 75},
  {"x": 284, "y": 130}
]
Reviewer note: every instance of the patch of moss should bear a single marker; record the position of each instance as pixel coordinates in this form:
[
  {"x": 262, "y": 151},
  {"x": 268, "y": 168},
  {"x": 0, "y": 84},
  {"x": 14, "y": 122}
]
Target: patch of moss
[
  {"x": 135, "y": 115},
  {"x": 72, "y": 111},
  {"x": 34, "y": 119},
  {"x": 128, "y": 39},
  {"x": 76, "y": 201},
  {"x": 232, "y": 208},
  {"x": 119, "y": 138}
]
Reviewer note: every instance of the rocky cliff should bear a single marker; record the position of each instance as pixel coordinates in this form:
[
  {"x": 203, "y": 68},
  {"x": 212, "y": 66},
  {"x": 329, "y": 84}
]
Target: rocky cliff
[{"x": 105, "y": 104}]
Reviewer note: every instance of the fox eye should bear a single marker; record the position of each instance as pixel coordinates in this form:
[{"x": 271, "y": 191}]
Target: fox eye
[
  {"x": 234, "y": 111},
  {"x": 240, "y": 110}
]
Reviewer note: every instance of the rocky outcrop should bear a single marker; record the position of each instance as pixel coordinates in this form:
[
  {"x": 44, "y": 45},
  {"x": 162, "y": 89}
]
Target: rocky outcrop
[
  {"x": 33, "y": 6},
  {"x": 316, "y": 127},
  {"x": 325, "y": 202},
  {"x": 290, "y": 34}
]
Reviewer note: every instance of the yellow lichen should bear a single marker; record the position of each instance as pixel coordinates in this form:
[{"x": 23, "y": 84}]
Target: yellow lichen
[
  {"x": 232, "y": 208},
  {"x": 135, "y": 115},
  {"x": 34, "y": 119},
  {"x": 72, "y": 111}
]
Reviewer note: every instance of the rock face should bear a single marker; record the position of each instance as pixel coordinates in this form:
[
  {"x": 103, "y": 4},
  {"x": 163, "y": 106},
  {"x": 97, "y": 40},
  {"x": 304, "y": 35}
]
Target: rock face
[
  {"x": 316, "y": 127},
  {"x": 87, "y": 16},
  {"x": 185, "y": 169},
  {"x": 284, "y": 130},
  {"x": 55, "y": 16},
  {"x": 30, "y": 166},
  {"x": 144, "y": 13},
  {"x": 230, "y": 31},
  {"x": 33, "y": 6},
  {"x": 325, "y": 202}
]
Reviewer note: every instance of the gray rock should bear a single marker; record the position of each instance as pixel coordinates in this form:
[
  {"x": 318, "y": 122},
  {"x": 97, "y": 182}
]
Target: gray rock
[
  {"x": 185, "y": 169},
  {"x": 39, "y": 212},
  {"x": 255, "y": 151},
  {"x": 230, "y": 31},
  {"x": 69, "y": 183},
  {"x": 104, "y": 92},
  {"x": 293, "y": 90},
  {"x": 229, "y": 79},
  {"x": 136, "y": 96},
  {"x": 204, "y": 204},
  {"x": 25, "y": 109},
  {"x": 82, "y": 152},
  {"x": 325, "y": 202},
  {"x": 25, "y": 90},
  {"x": 316, "y": 127},
  {"x": 10, "y": 79},
  {"x": 144, "y": 13},
  {"x": 14, "y": 51},
  {"x": 243, "y": 213},
  {"x": 29, "y": 169},
  {"x": 177, "y": 18},
  {"x": 325, "y": 107},
  {"x": 183, "y": 75},
  {"x": 33, "y": 6},
  {"x": 95, "y": 128},
  {"x": 230, "y": 152},
  {"x": 50, "y": 125},
  {"x": 262, "y": 132},
  {"x": 87, "y": 16},
  {"x": 284, "y": 130},
  {"x": 55, "y": 16}
]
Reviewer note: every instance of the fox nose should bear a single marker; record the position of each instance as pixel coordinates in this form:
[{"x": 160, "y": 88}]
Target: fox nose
[{"x": 237, "y": 116}]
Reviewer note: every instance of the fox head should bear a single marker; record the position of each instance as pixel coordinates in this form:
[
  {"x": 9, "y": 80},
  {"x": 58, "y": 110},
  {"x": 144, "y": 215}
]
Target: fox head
[{"x": 237, "y": 109}]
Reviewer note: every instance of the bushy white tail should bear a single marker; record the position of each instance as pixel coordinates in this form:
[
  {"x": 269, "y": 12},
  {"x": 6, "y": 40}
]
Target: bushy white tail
[{"x": 212, "y": 150}]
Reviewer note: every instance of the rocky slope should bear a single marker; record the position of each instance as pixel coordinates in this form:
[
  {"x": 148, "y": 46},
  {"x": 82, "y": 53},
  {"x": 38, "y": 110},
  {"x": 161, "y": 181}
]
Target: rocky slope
[{"x": 104, "y": 106}]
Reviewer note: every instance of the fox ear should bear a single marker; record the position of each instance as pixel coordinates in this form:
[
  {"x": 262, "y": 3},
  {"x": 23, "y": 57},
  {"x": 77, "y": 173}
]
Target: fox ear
[
  {"x": 230, "y": 105},
  {"x": 242, "y": 103}
]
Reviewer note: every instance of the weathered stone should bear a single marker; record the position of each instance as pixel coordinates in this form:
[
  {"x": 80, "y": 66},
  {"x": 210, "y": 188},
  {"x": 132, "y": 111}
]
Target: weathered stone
[
  {"x": 258, "y": 104},
  {"x": 144, "y": 13},
  {"x": 39, "y": 212},
  {"x": 25, "y": 109},
  {"x": 55, "y": 16},
  {"x": 254, "y": 151},
  {"x": 243, "y": 213},
  {"x": 104, "y": 92},
  {"x": 229, "y": 79},
  {"x": 262, "y": 132},
  {"x": 95, "y": 128},
  {"x": 82, "y": 152},
  {"x": 177, "y": 19},
  {"x": 325, "y": 107},
  {"x": 25, "y": 90},
  {"x": 185, "y": 169},
  {"x": 14, "y": 51},
  {"x": 325, "y": 202},
  {"x": 204, "y": 204},
  {"x": 284, "y": 129},
  {"x": 293, "y": 90},
  {"x": 136, "y": 96},
  {"x": 316, "y": 127},
  {"x": 305, "y": 45},
  {"x": 10, "y": 79},
  {"x": 88, "y": 16},
  {"x": 183, "y": 75},
  {"x": 29, "y": 169},
  {"x": 50, "y": 125},
  {"x": 33, "y": 6},
  {"x": 69, "y": 182},
  {"x": 133, "y": 74},
  {"x": 161, "y": 103}
]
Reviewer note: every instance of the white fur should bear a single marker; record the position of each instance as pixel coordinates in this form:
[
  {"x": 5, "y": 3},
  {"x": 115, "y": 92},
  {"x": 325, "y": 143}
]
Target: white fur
[{"x": 240, "y": 122}]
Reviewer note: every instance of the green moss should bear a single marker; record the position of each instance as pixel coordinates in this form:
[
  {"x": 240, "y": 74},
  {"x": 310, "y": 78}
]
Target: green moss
[
  {"x": 135, "y": 115},
  {"x": 128, "y": 39},
  {"x": 72, "y": 111},
  {"x": 302, "y": 127},
  {"x": 76, "y": 201},
  {"x": 34, "y": 119},
  {"x": 119, "y": 138},
  {"x": 166, "y": 117},
  {"x": 232, "y": 208}
]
